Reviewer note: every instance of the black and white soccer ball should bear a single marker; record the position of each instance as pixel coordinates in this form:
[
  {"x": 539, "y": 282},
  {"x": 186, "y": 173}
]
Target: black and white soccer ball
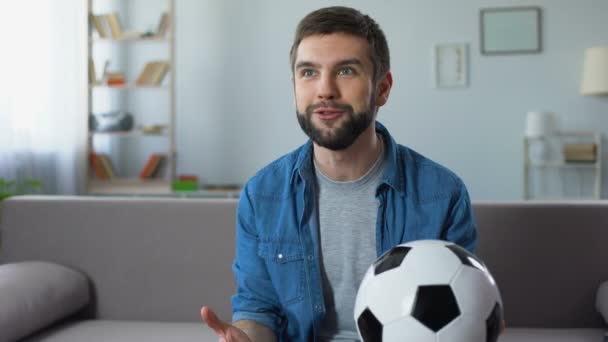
[{"x": 428, "y": 290}]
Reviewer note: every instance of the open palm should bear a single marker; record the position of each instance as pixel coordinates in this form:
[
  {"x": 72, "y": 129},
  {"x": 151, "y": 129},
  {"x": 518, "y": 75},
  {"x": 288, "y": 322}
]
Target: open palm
[{"x": 225, "y": 331}]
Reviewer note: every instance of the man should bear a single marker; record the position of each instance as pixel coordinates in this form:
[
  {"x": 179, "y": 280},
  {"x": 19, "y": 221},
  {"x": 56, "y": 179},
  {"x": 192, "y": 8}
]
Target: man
[{"x": 310, "y": 223}]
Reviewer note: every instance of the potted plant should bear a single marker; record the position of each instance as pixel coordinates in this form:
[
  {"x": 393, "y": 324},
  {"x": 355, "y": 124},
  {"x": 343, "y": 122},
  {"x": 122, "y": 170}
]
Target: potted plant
[{"x": 13, "y": 188}]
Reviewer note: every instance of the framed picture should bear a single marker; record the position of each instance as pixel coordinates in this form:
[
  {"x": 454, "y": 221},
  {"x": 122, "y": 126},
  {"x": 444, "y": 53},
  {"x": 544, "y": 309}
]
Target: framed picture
[
  {"x": 450, "y": 65},
  {"x": 510, "y": 30}
]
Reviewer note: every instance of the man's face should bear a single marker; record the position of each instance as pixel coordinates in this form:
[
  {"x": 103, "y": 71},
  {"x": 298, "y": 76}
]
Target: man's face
[{"x": 334, "y": 89}]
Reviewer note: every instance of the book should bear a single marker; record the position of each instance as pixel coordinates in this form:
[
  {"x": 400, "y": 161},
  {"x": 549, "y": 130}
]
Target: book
[
  {"x": 580, "y": 152},
  {"x": 153, "y": 73},
  {"x": 189, "y": 178},
  {"x": 97, "y": 23},
  {"x": 160, "y": 70},
  {"x": 92, "y": 73},
  {"x": 222, "y": 187},
  {"x": 163, "y": 25},
  {"x": 580, "y": 157},
  {"x": 114, "y": 24},
  {"x": 145, "y": 76},
  {"x": 156, "y": 170},
  {"x": 131, "y": 35},
  {"x": 153, "y": 129},
  {"x": 580, "y": 148},
  {"x": 115, "y": 79},
  {"x": 152, "y": 166},
  {"x": 107, "y": 165},
  {"x": 98, "y": 169},
  {"x": 104, "y": 75}
]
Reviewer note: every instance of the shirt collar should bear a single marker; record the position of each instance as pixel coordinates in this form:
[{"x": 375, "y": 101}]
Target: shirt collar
[{"x": 394, "y": 173}]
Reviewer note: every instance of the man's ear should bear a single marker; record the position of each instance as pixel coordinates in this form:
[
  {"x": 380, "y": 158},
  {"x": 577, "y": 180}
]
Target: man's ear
[
  {"x": 293, "y": 88},
  {"x": 384, "y": 89}
]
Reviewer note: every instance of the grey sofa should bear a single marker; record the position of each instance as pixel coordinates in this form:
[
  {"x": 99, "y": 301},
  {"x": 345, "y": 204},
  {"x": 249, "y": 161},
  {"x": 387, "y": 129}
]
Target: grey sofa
[{"x": 151, "y": 263}]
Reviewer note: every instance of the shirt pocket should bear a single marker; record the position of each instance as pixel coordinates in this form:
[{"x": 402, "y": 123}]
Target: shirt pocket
[{"x": 285, "y": 265}]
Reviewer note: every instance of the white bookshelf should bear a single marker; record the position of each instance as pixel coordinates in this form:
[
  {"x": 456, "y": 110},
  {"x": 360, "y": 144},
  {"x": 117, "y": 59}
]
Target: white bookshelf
[{"x": 133, "y": 52}]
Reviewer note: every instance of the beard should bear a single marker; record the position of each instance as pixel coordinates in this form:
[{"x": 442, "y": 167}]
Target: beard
[{"x": 336, "y": 138}]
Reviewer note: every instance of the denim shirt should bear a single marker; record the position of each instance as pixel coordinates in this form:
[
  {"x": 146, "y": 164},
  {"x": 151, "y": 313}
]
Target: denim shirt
[{"x": 277, "y": 266}]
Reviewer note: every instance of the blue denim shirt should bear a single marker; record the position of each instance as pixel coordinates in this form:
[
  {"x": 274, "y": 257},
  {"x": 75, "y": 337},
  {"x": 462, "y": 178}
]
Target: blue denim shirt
[{"x": 277, "y": 266}]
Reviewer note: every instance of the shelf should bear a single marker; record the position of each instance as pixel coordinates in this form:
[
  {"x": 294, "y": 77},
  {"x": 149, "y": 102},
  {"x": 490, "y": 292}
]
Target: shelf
[
  {"x": 128, "y": 86},
  {"x": 565, "y": 165},
  {"x": 563, "y": 198},
  {"x": 124, "y": 186},
  {"x": 153, "y": 187},
  {"x": 565, "y": 134},
  {"x": 132, "y": 133},
  {"x": 131, "y": 39},
  {"x": 553, "y": 179},
  {"x": 134, "y": 46}
]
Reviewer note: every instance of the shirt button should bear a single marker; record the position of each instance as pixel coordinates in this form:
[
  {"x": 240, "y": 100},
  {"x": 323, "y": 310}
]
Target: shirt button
[
  {"x": 318, "y": 307},
  {"x": 311, "y": 258}
]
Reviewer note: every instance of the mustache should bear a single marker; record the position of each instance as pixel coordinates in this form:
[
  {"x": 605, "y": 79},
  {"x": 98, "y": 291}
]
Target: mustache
[{"x": 329, "y": 104}]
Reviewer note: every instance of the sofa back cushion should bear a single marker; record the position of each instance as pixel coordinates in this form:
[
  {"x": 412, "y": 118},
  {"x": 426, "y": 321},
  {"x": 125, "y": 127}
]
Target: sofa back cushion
[
  {"x": 548, "y": 259},
  {"x": 162, "y": 258},
  {"x": 155, "y": 259}
]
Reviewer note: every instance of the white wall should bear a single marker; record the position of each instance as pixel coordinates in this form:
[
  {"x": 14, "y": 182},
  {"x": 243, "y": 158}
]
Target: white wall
[{"x": 235, "y": 102}]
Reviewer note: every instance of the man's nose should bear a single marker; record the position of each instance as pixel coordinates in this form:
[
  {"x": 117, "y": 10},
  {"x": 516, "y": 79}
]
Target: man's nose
[{"x": 327, "y": 88}]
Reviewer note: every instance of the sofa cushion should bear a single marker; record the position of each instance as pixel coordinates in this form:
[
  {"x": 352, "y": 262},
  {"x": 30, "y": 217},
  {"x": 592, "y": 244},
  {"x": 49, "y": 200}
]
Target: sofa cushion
[
  {"x": 127, "y": 331},
  {"x": 35, "y": 294},
  {"x": 149, "y": 259},
  {"x": 551, "y": 335}
]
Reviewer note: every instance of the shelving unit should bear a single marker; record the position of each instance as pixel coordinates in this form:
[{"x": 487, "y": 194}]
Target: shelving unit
[
  {"x": 128, "y": 151},
  {"x": 549, "y": 175}
]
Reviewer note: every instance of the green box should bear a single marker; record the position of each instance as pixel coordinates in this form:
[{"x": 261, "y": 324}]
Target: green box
[{"x": 178, "y": 185}]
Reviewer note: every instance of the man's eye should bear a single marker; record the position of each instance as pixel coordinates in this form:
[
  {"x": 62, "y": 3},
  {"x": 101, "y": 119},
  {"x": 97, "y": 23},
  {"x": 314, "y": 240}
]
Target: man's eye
[
  {"x": 308, "y": 73},
  {"x": 346, "y": 71}
]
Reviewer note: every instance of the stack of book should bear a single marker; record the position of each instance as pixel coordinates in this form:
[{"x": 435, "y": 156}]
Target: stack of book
[
  {"x": 115, "y": 79},
  {"x": 101, "y": 166},
  {"x": 580, "y": 153},
  {"x": 152, "y": 167}
]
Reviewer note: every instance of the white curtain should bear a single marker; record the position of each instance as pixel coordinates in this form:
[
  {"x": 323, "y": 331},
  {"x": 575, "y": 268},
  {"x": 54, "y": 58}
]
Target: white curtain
[{"x": 43, "y": 93}]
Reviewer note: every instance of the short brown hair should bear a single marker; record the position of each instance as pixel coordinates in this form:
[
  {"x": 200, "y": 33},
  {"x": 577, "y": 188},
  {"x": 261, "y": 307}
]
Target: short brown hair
[{"x": 339, "y": 19}]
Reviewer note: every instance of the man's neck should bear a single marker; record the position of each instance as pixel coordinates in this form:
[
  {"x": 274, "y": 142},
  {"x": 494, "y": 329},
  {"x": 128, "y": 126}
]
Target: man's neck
[{"x": 353, "y": 162}]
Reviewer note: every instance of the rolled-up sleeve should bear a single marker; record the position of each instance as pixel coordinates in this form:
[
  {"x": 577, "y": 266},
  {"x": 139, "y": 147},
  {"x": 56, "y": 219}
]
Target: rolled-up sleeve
[{"x": 255, "y": 298}]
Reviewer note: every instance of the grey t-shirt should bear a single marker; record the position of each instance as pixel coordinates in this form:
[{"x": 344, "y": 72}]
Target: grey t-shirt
[{"x": 347, "y": 220}]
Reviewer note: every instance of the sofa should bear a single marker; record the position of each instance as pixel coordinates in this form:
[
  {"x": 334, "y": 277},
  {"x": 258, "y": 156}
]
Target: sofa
[{"x": 139, "y": 268}]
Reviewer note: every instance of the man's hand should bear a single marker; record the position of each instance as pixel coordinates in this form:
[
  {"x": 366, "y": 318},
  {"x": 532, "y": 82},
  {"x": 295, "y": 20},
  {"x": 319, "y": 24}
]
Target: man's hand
[{"x": 225, "y": 331}]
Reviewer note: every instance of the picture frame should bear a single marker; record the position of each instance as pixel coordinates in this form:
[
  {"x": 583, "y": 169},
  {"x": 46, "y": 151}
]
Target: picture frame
[
  {"x": 450, "y": 65},
  {"x": 510, "y": 30}
]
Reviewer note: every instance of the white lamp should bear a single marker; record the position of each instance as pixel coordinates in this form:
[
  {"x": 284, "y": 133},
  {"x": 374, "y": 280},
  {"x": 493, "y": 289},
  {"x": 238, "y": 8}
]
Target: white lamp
[
  {"x": 540, "y": 124},
  {"x": 595, "y": 71}
]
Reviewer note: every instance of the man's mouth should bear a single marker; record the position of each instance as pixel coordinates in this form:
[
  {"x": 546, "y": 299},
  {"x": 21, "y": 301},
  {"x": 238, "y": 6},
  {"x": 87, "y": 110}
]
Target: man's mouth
[{"x": 326, "y": 113}]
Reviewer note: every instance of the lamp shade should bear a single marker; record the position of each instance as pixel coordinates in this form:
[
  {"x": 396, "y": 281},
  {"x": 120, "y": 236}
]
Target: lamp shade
[{"x": 595, "y": 71}]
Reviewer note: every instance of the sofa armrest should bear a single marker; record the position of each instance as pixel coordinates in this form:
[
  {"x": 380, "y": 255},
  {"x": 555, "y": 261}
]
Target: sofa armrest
[
  {"x": 601, "y": 300},
  {"x": 36, "y": 294}
]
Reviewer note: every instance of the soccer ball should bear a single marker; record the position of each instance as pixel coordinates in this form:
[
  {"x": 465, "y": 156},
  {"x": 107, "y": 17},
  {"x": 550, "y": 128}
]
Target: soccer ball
[{"x": 428, "y": 290}]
